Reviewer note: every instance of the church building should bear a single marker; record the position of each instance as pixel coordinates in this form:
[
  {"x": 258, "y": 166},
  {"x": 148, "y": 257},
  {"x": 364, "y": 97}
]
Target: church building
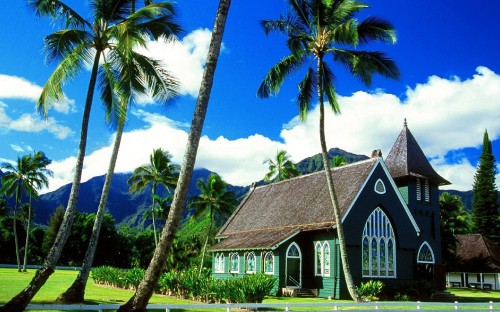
[{"x": 389, "y": 211}]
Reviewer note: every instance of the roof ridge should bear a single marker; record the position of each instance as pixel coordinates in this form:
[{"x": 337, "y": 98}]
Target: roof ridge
[{"x": 340, "y": 168}]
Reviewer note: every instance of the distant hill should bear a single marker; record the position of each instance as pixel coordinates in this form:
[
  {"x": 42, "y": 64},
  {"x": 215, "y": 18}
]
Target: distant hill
[
  {"x": 128, "y": 209},
  {"x": 315, "y": 163}
]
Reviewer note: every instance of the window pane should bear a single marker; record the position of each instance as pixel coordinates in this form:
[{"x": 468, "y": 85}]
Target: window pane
[
  {"x": 326, "y": 261},
  {"x": 374, "y": 257},
  {"x": 390, "y": 258},
  {"x": 319, "y": 258},
  {"x": 366, "y": 257},
  {"x": 383, "y": 270},
  {"x": 268, "y": 263}
]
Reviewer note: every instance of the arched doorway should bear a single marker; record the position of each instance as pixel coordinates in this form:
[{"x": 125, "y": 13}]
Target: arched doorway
[
  {"x": 425, "y": 263},
  {"x": 293, "y": 266}
]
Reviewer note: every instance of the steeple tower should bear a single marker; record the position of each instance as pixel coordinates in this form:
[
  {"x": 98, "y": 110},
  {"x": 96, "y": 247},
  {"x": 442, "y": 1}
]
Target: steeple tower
[{"x": 406, "y": 159}]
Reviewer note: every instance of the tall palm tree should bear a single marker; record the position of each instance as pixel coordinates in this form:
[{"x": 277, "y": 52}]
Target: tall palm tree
[
  {"x": 28, "y": 175},
  {"x": 316, "y": 29},
  {"x": 214, "y": 199},
  {"x": 159, "y": 171},
  {"x": 144, "y": 291},
  {"x": 161, "y": 86},
  {"x": 281, "y": 168},
  {"x": 107, "y": 43}
]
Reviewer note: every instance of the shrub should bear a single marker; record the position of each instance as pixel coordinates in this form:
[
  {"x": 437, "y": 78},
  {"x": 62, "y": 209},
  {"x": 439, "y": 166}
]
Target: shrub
[
  {"x": 370, "y": 290},
  {"x": 190, "y": 284}
]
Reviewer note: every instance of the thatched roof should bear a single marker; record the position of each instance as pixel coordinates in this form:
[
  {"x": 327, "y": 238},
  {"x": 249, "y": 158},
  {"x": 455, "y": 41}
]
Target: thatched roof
[
  {"x": 406, "y": 158},
  {"x": 476, "y": 253},
  {"x": 274, "y": 212}
]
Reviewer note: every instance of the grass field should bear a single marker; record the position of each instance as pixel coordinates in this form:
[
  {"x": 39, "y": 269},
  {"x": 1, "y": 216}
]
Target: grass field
[{"x": 11, "y": 282}]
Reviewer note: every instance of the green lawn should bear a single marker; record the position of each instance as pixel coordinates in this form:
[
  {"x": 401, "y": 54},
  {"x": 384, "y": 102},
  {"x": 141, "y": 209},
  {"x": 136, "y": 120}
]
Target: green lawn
[{"x": 11, "y": 282}]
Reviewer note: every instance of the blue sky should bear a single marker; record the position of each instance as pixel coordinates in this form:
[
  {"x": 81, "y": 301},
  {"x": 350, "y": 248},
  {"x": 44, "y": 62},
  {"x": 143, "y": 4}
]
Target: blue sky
[{"x": 447, "y": 52}]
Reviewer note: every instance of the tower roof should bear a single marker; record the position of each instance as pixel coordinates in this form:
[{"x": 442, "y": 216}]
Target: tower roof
[{"x": 406, "y": 158}]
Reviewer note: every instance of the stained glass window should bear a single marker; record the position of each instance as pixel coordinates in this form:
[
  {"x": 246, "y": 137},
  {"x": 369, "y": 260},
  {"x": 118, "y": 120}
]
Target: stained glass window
[
  {"x": 250, "y": 264},
  {"x": 293, "y": 251},
  {"x": 319, "y": 259},
  {"x": 235, "y": 263},
  {"x": 425, "y": 254},
  {"x": 366, "y": 257},
  {"x": 219, "y": 263},
  {"x": 378, "y": 252},
  {"x": 268, "y": 263},
  {"x": 326, "y": 260}
]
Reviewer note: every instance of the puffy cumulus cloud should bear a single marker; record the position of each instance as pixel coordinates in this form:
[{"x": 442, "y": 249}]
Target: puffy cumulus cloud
[
  {"x": 239, "y": 162},
  {"x": 13, "y": 87},
  {"x": 185, "y": 59},
  {"x": 444, "y": 115},
  {"x": 32, "y": 123}
]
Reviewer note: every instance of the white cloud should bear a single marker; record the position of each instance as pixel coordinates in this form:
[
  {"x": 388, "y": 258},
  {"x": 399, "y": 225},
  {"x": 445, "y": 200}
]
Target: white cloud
[
  {"x": 443, "y": 114},
  {"x": 32, "y": 123},
  {"x": 13, "y": 87},
  {"x": 185, "y": 59}
]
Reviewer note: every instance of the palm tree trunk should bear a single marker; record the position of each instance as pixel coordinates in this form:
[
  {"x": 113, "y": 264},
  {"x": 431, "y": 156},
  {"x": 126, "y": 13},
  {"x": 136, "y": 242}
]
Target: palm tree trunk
[
  {"x": 16, "y": 241},
  {"x": 22, "y": 299},
  {"x": 27, "y": 237},
  {"x": 331, "y": 189},
  {"x": 139, "y": 300},
  {"x": 76, "y": 292},
  {"x": 205, "y": 246},
  {"x": 153, "y": 213}
]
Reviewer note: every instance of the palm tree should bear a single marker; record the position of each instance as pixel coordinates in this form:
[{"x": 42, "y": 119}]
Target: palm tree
[
  {"x": 338, "y": 161},
  {"x": 159, "y": 171},
  {"x": 146, "y": 287},
  {"x": 161, "y": 86},
  {"x": 315, "y": 29},
  {"x": 107, "y": 43},
  {"x": 38, "y": 178},
  {"x": 282, "y": 168},
  {"x": 213, "y": 199},
  {"x": 28, "y": 175}
]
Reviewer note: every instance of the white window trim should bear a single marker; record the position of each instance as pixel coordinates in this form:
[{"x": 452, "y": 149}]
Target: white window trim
[
  {"x": 379, "y": 182},
  {"x": 231, "y": 263},
  {"x": 272, "y": 261},
  {"x": 254, "y": 263},
  {"x": 383, "y": 233},
  {"x": 430, "y": 249}
]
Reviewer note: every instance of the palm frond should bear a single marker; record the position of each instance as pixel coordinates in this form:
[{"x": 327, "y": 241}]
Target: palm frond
[
  {"x": 378, "y": 29},
  {"x": 67, "y": 69},
  {"x": 346, "y": 33},
  {"x": 58, "y": 10},
  {"x": 62, "y": 42},
  {"x": 363, "y": 64},
  {"x": 277, "y": 74},
  {"x": 307, "y": 90},
  {"x": 156, "y": 19},
  {"x": 329, "y": 88}
]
